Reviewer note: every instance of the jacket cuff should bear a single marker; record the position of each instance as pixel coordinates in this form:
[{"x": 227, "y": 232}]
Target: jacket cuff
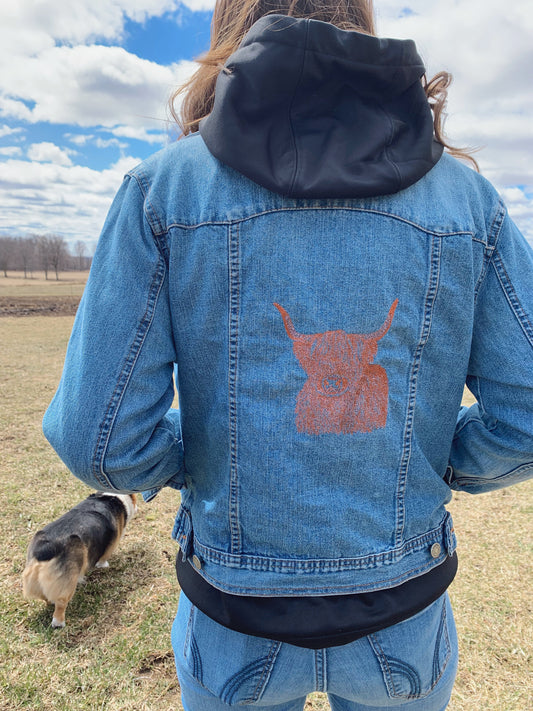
[{"x": 176, "y": 482}]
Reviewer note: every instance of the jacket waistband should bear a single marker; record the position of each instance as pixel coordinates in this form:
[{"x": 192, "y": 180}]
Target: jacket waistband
[{"x": 248, "y": 574}]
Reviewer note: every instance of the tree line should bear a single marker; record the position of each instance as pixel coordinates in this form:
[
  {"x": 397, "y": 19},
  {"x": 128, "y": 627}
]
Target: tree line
[{"x": 48, "y": 253}]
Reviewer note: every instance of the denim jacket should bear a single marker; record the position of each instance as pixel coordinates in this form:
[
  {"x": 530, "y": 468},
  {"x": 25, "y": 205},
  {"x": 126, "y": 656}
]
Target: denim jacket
[{"x": 320, "y": 348}]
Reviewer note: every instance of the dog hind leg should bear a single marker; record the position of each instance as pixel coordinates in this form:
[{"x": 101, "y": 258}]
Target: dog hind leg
[{"x": 58, "y": 620}]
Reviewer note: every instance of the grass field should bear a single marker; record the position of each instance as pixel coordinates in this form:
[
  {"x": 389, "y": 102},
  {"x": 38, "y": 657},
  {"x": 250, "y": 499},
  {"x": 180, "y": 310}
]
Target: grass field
[
  {"x": 69, "y": 284},
  {"x": 115, "y": 652},
  {"x": 38, "y": 296}
]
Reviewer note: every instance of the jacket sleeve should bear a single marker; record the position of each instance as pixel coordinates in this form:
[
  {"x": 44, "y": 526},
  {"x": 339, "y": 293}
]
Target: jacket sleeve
[
  {"x": 493, "y": 443},
  {"x": 111, "y": 420}
]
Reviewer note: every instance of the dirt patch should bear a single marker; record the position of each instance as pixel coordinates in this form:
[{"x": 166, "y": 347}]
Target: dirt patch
[{"x": 38, "y": 306}]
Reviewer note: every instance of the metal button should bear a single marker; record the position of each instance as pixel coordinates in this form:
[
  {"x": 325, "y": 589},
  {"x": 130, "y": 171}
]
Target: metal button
[
  {"x": 197, "y": 562},
  {"x": 435, "y": 550}
]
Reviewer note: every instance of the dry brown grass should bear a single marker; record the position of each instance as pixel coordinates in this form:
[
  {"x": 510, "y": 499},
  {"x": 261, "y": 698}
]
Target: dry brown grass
[
  {"x": 38, "y": 296},
  {"x": 69, "y": 284},
  {"x": 115, "y": 652}
]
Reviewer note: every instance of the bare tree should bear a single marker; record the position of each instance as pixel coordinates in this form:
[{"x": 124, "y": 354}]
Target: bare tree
[
  {"x": 43, "y": 253},
  {"x": 80, "y": 249},
  {"x": 6, "y": 253},
  {"x": 26, "y": 254},
  {"x": 58, "y": 253}
]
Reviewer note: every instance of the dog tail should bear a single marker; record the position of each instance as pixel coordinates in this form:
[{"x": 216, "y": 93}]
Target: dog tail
[{"x": 47, "y": 549}]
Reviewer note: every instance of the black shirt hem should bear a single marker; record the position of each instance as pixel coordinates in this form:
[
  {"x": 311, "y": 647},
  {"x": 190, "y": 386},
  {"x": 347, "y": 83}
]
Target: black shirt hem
[{"x": 316, "y": 622}]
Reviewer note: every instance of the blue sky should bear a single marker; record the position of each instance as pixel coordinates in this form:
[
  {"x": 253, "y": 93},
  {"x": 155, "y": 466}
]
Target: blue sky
[
  {"x": 164, "y": 40},
  {"x": 84, "y": 87}
]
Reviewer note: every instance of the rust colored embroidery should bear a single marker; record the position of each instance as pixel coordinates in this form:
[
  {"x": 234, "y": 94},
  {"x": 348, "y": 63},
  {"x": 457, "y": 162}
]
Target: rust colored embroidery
[{"x": 344, "y": 391}]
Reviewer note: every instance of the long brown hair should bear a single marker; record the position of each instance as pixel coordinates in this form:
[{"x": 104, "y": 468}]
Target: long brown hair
[{"x": 233, "y": 18}]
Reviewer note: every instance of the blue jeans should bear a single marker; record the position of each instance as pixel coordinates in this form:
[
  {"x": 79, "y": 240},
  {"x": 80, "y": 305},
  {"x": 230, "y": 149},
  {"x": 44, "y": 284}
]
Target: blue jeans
[{"x": 411, "y": 665}]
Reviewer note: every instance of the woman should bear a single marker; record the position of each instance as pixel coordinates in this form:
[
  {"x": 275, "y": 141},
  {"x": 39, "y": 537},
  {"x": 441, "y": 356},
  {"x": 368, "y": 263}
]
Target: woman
[{"x": 325, "y": 281}]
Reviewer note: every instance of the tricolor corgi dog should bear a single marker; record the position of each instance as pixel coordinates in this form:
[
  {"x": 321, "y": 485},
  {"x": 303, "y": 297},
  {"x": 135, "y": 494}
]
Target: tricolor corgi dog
[{"x": 64, "y": 550}]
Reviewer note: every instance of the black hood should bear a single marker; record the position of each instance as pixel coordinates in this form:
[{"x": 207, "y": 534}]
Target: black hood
[{"x": 308, "y": 110}]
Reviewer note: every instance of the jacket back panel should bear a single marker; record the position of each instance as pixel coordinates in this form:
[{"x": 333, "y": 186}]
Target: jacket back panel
[{"x": 322, "y": 348}]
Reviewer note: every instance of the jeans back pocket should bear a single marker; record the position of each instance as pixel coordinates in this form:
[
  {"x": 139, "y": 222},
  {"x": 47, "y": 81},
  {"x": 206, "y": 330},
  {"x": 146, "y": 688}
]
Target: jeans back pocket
[
  {"x": 235, "y": 668},
  {"x": 413, "y": 654}
]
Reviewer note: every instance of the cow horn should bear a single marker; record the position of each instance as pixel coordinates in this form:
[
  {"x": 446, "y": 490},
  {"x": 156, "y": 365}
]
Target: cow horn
[
  {"x": 291, "y": 331},
  {"x": 383, "y": 330}
]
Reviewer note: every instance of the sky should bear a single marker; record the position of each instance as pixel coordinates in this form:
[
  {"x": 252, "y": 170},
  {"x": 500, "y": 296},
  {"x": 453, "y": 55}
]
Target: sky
[{"x": 84, "y": 87}]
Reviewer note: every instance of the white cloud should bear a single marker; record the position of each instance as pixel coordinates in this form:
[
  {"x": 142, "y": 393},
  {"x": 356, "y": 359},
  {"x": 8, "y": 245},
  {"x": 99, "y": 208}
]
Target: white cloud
[
  {"x": 140, "y": 134},
  {"x": 47, "y": 152},
  {"x": 109, "y": 143},
  {"x": 519, "y": 202},
  {"x": 90, "y": 86},
  {"x": 29, "y": 27},
  {"x": 199, "y": 5},
  {"x": 10, "y": 151},
  {"x": 68, "y": 200},
  {"x": 80, "y": 139},
  {"x": 486, "y": 45},
  {"x": 52, "y": 70},
  {"x": 8, "y": 131},
  {"x": 13, "y": 108},
  {"x": 117, "y": 132}
]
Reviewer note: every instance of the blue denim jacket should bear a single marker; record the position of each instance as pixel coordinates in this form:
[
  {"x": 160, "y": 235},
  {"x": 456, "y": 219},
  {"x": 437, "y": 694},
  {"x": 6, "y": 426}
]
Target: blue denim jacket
[
  {"x": 320, "y": 344},
  {"x": 317, "y": 440}
]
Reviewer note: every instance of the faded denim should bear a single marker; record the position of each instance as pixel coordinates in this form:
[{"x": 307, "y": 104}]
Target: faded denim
[
  {"x": 283, "y": 492},
  {"x": 411, "y": 665}
]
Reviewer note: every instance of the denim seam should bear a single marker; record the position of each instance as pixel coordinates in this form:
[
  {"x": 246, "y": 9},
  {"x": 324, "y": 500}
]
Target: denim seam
[
  {"x": 490, "y": 247},
  {"x": 233, "y": 327},
  {"x": 300, "y": 208},
  {"x": 156, "y": 224},
  {"x": 512, "y": 297},
  {"x": 384, "y": 664},
  {"x": 263, "y": 666},
  {"x": 496, "y": 225},
  {"x": 106, "y": 427},
  {"x": 188, "y": 632},
  {"x": 413, "y": 674},
  {"x": 267, "y": 671},
  {"x": 290, "y": 565},
  {"x": 439, "y": 670},
  {"x": 401, "y": 667},
  {"x": 237, "y": 680},
  {"x": 191, "y": 645},
  {"x": 431, "y": 295},
  {"x": 197, "y": 668},
  {"x": 320, "y": 670},
  {"x": 331, "y": 589},
  {"x": 389, "y": 664},
  {"x": 479, "y": 240}
]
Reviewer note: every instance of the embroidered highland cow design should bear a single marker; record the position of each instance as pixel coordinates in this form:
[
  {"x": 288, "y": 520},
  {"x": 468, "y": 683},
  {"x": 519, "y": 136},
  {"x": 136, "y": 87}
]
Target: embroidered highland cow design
[{"x": 344, "y": 391}]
